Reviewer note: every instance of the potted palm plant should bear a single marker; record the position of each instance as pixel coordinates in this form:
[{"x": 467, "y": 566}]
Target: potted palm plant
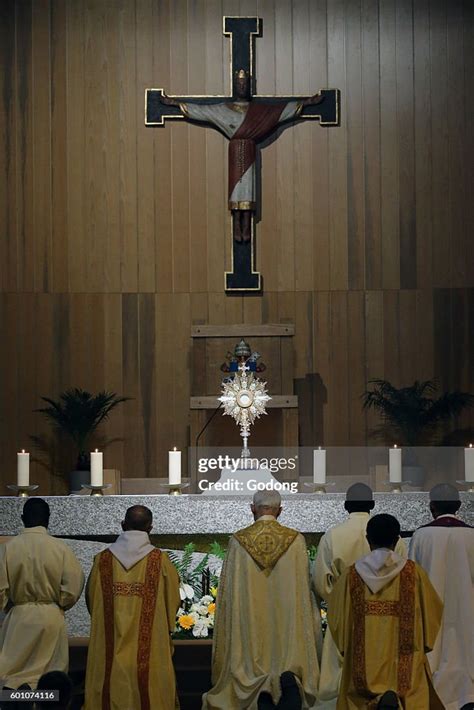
[
  {"x": 412, "y": 416},
  {"x": 77, "y": 414}
]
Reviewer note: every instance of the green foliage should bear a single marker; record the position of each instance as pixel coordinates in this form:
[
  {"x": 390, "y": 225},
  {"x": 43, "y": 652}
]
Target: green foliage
[
  {"x": 217, "y": 550},
  {"x": 188, "y": 574},
  {"x": 412, "y": 415},
  {"x": 78, "y": 413},
  {"x": 312, "y": 552}
]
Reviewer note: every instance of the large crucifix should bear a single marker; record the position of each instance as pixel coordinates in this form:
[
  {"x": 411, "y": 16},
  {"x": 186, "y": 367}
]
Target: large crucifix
[{"x": 246, "y": 119}]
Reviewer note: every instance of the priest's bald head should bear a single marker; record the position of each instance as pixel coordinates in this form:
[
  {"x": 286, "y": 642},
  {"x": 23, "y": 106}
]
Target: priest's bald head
[
  {"x": 444, "y": 500},
  {"x": 266, "y": 502},
  {"x": 138, "y": 517},
  {"x": 359, "y": 498}
]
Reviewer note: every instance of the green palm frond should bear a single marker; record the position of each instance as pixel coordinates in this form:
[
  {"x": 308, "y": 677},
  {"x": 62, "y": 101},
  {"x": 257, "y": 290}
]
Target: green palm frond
[
  {"x": 78, "y": 413},
  {"x": 186, "y": 561},
  {"x": 411, "y": 415},
  {"x": 217, "y": 550},
  {"x": 201, "y": 566}
]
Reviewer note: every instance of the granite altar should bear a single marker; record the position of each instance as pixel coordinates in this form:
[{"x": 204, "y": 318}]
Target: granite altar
[{"x": 86, "y": 517}]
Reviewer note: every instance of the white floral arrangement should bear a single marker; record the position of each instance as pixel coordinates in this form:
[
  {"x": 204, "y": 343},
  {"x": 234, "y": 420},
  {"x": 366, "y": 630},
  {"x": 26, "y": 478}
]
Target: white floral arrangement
[
  {"x": 199, "y": 575},
  {"x": 198, "y": 620}
]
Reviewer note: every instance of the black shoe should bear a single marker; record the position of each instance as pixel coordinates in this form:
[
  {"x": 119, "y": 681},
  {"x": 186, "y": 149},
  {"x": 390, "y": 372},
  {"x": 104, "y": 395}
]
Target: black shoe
[
  {"x": 290, "y": 698},
  {"x": 388, "y": 701}
]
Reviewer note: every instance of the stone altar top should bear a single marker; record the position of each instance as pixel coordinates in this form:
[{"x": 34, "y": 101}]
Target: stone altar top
[{"x": 87, "y": 516}]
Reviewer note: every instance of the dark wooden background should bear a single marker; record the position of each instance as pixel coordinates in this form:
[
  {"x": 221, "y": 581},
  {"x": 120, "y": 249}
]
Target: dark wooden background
[{"x": 114, "y": 237}]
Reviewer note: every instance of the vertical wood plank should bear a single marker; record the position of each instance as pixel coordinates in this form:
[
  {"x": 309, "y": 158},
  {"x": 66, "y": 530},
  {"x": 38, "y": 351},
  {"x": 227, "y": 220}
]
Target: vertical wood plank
[
  {"x": 468, "y": 206},
  {"x": 302, "y": 189},
  {"x": 26, "y": 247},
  {"x": 338, "y": 385},
  {"x": 114, "y": 428},
  {"x": 356, "y": 358},
  {"x": 458, "y": 196},
  {"x": 128, "y": 156},
  {"x": 388, "y": 147},
  {"x": 442, "y": 335},
  {"x": 440, "y": 146},
  {"x": 76, "y": 147},
  {"x": 355, "y": 148},
  {"x": 408, "y": 338},
  {"x": 180, "y": 147},
  {"x": 374, "y": 349},
  {"x": 197, "y": 153},
  {"x": 406, "y": 143},
  {"x": 371, "y": 139},
  {"x": 59, "y": 147},
  {"x": 10, "y": 441},
  {"x": 321, "y": 367},
  {"x": 8, "y": 211},
  {"x": 95, "y": 160},
  {"x": 41, "y": 106},
  {"x": 338, "y": 266},
  {"x": 133, "y": 458},
  {"x": 423, "y": 144},
  {"x": 318, "y": 65},
  {"x": 162, "y": 151},
  {"x": 148, "y": 362},
  {"x": 285, "y": 151},
  {"x": 424, "y": 334},
  {"x": 146, "y": 189},
  {"x": 391, "y": 337}
]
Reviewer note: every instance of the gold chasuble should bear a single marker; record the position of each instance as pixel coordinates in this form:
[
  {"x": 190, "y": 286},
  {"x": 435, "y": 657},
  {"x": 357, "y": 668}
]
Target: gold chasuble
[
  {"x": 133, "y": 613},
  {"x": 266, "y": 619},
  {"x": 384, "y": 637}
]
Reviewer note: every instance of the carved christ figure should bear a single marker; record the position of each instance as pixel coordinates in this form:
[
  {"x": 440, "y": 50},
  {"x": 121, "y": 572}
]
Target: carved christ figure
[{"x": 245, "y": 122}]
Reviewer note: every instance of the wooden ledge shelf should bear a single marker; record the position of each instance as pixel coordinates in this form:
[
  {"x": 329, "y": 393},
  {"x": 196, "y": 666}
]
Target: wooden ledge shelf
[
  {"x": 278, "y": 401},
  {"x": 243, "y": 330}
]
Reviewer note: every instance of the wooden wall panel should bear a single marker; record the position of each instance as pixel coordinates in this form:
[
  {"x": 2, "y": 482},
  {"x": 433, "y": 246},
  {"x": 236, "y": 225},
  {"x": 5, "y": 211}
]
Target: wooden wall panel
[
  {"x": 7, "y": 142},
  {"x": 59, "y": 149},
  {"x": 128, "y": 117},
  {"x": 114, "y": 237}
]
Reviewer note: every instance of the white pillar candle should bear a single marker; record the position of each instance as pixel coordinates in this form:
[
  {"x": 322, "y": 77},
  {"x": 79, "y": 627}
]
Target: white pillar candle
[
  {"x": 319, "y": 466},
  {"x": 97, "y": 468},
  {"x": 23, "y": 468},
  {"x": 174, "y": 466},
  {"x": 469, "y": 463},
  {"x": 395, "y": 465}
]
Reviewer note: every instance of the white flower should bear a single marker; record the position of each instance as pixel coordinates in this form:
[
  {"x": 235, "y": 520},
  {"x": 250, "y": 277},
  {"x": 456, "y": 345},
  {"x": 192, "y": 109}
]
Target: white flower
[
  {"x": 186, "y": 591},
  {"x": 207, "y": 599},
  {"x": 200, "y": 629}
]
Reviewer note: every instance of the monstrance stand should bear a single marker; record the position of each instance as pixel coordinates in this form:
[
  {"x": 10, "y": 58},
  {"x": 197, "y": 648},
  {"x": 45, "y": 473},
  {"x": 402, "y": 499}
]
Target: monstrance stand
[{"x": 244, "y": 398}]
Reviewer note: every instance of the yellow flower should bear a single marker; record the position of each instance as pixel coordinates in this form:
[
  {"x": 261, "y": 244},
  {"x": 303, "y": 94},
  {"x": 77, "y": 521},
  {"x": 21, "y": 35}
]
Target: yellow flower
[
  {"x": 211, "y": 608},
  {"x": 213, "y": 591},
  {"x": 186, "y": 621}
]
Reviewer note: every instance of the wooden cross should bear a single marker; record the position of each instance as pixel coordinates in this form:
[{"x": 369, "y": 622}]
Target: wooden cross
[{"x": 243, "y": 278}]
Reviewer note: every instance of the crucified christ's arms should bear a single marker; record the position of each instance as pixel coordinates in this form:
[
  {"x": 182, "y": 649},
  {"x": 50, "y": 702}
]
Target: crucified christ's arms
[{"x": 246, "y": 123}]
